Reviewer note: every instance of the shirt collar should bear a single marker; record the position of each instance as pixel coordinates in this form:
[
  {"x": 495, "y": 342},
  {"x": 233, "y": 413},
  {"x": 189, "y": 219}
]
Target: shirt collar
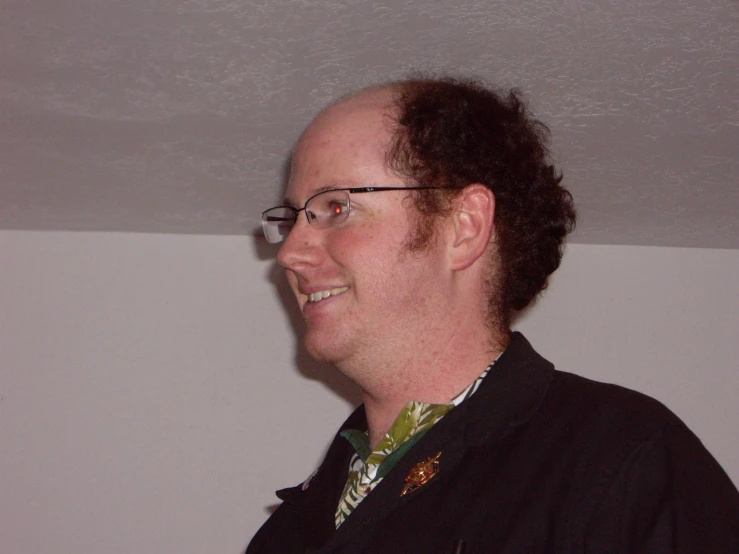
[{"x": 416, "y": 418}]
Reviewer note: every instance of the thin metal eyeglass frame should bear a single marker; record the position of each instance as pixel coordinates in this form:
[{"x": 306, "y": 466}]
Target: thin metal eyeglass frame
[{"x": 353, "y": 190}]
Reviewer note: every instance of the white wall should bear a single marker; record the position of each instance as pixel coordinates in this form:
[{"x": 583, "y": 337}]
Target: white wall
[{"x": 152, "y": 394}]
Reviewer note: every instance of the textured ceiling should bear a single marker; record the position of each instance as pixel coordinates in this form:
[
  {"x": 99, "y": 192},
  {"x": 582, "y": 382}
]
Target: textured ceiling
[{"x": 178, "y": 115}]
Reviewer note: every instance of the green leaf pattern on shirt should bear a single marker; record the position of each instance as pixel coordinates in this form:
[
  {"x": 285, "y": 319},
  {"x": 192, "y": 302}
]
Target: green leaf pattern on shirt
[{"x": 365, "y": 473}]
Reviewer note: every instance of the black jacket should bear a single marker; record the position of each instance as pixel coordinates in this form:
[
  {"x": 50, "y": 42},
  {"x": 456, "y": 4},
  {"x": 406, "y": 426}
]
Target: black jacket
[{"x": 536, "y": 461}]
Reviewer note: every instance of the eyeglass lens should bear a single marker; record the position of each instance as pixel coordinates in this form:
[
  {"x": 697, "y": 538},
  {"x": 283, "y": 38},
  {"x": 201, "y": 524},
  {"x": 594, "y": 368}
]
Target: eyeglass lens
[
  {"x": 323, "y": 210},
  {"x": 276, "y": 223}
]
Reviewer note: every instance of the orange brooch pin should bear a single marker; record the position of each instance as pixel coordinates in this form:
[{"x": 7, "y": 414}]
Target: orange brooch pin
[{"x": 420, "y": 474}]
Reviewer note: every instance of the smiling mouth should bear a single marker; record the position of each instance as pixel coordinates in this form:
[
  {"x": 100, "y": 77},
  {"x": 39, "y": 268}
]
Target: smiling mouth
[{"x": 321, "y": 294}]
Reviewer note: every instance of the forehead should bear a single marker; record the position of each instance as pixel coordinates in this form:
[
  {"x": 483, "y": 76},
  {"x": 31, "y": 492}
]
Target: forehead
[{"x": 344, "y": 146}]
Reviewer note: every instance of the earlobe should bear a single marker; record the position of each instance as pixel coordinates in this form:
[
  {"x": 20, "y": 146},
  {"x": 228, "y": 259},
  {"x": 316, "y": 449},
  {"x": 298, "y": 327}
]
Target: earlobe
[{"x": 472, "y": 225}]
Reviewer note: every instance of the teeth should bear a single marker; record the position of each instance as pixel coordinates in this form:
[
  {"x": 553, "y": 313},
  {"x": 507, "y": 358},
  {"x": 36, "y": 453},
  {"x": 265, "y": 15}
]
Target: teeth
[{"x": 321, "y": 294}]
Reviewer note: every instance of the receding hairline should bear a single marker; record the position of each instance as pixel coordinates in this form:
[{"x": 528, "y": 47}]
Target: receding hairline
[
  {"x": 381, "y": 98},
  {"x": 382, "y": 95}
]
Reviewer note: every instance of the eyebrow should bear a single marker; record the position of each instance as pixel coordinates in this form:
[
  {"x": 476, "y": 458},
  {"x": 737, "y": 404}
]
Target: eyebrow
[{"x": 290, "y": 202}]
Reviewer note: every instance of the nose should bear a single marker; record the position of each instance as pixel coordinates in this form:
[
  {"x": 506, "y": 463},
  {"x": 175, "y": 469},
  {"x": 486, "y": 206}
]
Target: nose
[{"x": 301, "y": 248}]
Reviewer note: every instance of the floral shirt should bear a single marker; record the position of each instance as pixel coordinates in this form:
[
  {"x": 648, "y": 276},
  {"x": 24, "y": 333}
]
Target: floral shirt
[{"x": 368, "y": 467}]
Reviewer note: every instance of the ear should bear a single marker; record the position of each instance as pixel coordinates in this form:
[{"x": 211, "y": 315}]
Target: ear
[{"x": 471, "y": 225}]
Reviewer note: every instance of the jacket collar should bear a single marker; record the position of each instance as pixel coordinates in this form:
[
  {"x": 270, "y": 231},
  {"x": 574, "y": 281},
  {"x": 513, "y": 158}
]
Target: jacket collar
[{"x": 509, "y": 396}]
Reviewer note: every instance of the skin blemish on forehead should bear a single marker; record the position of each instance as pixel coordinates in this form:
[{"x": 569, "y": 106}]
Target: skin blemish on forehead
[{"x": 360, "y": 143}]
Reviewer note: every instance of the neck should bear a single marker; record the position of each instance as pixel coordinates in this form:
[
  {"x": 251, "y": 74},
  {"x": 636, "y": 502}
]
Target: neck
[{"x": 434, "y": 377}]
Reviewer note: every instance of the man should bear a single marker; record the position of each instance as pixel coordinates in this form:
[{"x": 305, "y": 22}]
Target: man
[{"x": 420, "y": 217}]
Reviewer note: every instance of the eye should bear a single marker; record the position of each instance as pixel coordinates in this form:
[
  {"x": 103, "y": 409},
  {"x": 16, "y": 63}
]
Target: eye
[
  {"x": 328, "y": 208},
  {"x": 337, "y": 209}
]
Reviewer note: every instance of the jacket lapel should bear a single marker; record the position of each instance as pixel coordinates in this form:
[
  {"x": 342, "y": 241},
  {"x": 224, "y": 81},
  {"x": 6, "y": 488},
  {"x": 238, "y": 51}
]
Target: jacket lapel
[{"x": 316, "y": 502}]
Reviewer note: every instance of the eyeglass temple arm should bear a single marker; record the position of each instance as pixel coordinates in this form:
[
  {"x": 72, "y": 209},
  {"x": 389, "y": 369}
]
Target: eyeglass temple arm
[{"x": 373, "y": 189}]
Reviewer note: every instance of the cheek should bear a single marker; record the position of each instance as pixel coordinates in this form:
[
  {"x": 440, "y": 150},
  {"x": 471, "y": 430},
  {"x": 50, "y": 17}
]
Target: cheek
[{"x": 350, "y": 245}]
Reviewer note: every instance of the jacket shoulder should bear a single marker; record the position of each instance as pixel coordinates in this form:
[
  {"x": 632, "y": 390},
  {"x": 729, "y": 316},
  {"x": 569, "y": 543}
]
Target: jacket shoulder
[
  {"x": 607, "y": 407},
  {"x": 647, "y": 483}
]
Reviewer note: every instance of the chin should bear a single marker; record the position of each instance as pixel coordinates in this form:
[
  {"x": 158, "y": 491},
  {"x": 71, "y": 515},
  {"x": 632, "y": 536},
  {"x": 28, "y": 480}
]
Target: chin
[{"x": 326, "y": 347}]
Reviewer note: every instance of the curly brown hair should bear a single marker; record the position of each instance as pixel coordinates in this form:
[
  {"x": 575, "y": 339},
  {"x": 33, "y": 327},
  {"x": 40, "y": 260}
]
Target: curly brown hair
[{"x": 453, "y": 132}]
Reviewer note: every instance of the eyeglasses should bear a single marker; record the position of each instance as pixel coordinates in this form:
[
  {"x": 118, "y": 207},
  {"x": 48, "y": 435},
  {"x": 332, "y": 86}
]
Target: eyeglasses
[{"x": 322, "y": 210}]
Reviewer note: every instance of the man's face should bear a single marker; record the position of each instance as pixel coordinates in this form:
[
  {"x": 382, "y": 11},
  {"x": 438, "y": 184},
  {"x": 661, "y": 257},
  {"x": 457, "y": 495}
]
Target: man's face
[{"x": 381, "y": 293}]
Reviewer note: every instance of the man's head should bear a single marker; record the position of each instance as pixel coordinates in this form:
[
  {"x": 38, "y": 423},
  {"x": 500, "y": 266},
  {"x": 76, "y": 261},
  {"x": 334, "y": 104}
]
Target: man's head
[
  {"x": 396, "y": 267},
  {"x": 374, "y": 293},
  {"x": 450, "y": 133}
]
